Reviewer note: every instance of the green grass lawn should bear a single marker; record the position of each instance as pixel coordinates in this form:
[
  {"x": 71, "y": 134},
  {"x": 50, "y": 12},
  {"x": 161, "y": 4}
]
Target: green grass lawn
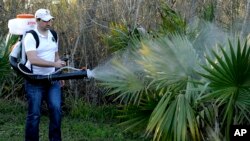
[{"x": 74, "y": 128}]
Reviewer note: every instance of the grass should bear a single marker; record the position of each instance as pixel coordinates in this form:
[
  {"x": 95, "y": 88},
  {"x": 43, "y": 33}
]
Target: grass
[{"x": 75, "y": 127}]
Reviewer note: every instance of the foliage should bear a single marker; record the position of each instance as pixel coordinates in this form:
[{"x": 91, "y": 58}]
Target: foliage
[
  {"x": 166, "y": 93},
  {"x": 208, "y": 12},
  {"x": 164, "y": 84},
  {"x": 10, "y": 83},
  {"x": 12, "y": 125},
  {"x": 84, "y": 22},
  {"x": 121, "y": 36},
  {"x": 118, "y": 38},
  {"x": 79, "y": 109},
  {"x": 135, "y": 116},
  {"x": 167, "y": 72},
  {"x": 228, "y": 76},
  {"x": 156, "y": 86},
  {"x": 172, "y": 22},
  {"x": 4, "y": 63}
]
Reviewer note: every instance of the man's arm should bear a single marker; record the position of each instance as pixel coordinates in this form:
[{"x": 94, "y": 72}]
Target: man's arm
[
  {"x": 57, "y": 56},
  {"x": 35, "y": 60}
]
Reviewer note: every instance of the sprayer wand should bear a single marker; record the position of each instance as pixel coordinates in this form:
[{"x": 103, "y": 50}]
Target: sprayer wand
[{"x": 57, "y": 75}]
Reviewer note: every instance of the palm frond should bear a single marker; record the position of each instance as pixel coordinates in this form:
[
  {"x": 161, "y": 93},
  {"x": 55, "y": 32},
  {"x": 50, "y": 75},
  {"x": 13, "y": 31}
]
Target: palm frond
[
  {"x": 229, "y": 81},
  {"x": 168, "y": 60},
  {"x": 4, "y": 53},
  {"x": 135, "y": 117},
  {"x": 173, "y": 115}
]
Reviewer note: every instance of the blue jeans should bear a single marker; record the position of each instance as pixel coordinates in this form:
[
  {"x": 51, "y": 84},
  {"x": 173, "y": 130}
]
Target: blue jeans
[{"x": 36, "y": 93}]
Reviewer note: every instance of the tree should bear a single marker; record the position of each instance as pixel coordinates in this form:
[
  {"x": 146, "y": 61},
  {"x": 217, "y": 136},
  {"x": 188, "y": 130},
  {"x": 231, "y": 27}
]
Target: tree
[{"x": 245, "y": 30}]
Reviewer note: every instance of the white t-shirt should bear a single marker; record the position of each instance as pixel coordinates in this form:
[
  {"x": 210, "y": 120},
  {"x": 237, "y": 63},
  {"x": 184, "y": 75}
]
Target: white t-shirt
[{"x": 46, "y": 50}]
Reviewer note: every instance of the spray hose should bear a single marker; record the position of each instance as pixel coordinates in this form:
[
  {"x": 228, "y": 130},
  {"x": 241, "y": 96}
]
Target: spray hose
[{"x": 57, "y": 75}]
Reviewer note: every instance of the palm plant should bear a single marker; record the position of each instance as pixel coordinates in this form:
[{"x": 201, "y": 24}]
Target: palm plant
[
  {"x": 161, "y": 85},
  {"x": 172, "y": 21},
  {"x": 208, "y": 13},
  {"x": 173, "y": 117},
  {"x": 161, "y": 92},
  {"x": 9, "y": 82},
  {"x": 120, "y": 36},
  {"x": 228, "y": 76},
  {"x": 5, "y": 47},
  {"x": 4, "y": 69}
]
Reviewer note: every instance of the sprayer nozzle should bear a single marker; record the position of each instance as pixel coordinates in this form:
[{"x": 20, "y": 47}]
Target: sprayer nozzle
[{"x": 90, "y": 73}]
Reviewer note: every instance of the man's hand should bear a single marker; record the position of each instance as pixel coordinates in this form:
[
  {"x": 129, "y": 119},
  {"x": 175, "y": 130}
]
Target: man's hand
[{"x": 60, "y": 63}]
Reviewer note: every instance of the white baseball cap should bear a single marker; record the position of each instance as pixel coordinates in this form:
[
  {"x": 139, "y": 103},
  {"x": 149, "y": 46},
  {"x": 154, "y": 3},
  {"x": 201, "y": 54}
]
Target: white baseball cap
[{"x": 43, "y": 14}]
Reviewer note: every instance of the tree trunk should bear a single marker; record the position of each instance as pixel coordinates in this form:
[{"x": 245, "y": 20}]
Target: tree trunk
[
  {"x": 192, "y": 13},
  {"x": 137, "y": 13},
  {"x": 245, "y": 29},
  {"x": 218, "y": 11}
]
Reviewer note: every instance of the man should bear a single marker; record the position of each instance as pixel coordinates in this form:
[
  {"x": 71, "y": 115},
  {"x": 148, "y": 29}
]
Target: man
[{"x": 43, "y": 60}]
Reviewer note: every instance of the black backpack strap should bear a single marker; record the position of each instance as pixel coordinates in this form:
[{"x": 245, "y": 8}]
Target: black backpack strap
[
  {"x": 53, "y": 32},
  {"x": 35, "y": 36},
  {"x": 37, "y": 43}
]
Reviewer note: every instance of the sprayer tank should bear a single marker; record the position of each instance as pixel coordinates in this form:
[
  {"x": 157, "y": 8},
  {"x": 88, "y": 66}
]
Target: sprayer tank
[{"x": 21, "y": 24}]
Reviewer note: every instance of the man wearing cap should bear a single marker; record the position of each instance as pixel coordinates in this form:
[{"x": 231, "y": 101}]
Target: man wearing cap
[{"x": 43, "y": 60}]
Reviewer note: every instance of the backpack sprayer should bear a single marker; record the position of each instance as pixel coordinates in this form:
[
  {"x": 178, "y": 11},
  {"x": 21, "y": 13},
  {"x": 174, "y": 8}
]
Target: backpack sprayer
[{"x": 17, "y": 58}]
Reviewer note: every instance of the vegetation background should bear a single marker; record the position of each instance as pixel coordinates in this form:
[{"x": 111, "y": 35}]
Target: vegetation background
[{"x": 93, "y": 31}]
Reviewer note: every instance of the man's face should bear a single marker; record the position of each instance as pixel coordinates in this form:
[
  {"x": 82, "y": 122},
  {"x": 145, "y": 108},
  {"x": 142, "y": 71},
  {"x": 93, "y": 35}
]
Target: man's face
[{"x": 44, "y": 25}]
